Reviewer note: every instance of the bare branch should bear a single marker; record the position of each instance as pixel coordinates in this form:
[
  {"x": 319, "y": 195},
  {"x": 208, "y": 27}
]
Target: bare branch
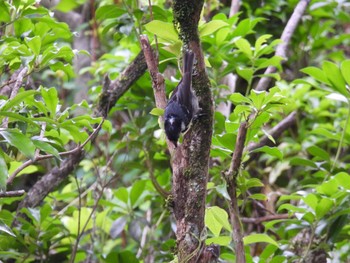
[
  {"x": 281, "y": 49},
  {"x": 12, "y": 193},
  {"x": 17, "y": 84},
  {"x": 259, "y": 220}
]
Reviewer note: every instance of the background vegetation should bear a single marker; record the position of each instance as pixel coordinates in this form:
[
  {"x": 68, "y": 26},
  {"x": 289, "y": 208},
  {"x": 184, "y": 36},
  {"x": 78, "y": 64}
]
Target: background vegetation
[{"x": 61, "y": 116}]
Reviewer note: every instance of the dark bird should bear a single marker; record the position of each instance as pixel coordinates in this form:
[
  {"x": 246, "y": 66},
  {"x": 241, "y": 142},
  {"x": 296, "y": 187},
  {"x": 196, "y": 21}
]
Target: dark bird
[{"x": 183, "y": 103}]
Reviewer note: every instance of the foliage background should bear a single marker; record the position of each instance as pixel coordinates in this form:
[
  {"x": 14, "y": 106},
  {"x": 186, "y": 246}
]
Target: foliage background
[{"x": 293, "y": 194}]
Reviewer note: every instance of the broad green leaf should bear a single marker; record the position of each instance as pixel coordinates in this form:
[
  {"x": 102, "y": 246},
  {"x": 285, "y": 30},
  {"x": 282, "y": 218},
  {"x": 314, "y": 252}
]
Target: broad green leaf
[
  {"x": 291, "y": 208},
  {"x": 215, "y": 219},
  {"x": 311, "y": 200},
  {"x": 51, "y": 100},
  {"x": 18, "y": 99},
  {"x": 260, "y": 41},
  {"x": 328, "y": 188},
  {"x": 246, "y": 73},
  {"x": 157, "y": 112},
  {"x": 273, "y": 151},
  {"x": 323, "y": 207},
  {"x": 34, "y": 44},
  {"x": 163, "y": 30},
  {"x": 17, "y": 117},
  {"x": 345, "y": 71},
  {"x": 122, "y": 194},
  {"x": 20, "y": 141},
  {"x": 109, "y": 11},
  {"x": 261, "y": 197},
  {"x": 244, "y": 46},
  {"x": 335, "y": 77},
  {"x": 219, "y": 240},
  {"x": 5, "y": 12},
  {"x": 258, "y": 238},
  {"x": 47, "y": 148},
  {"x": 303, "y": 162},
  {"x": 238, "y": 98},
  {"x": 343, "y": 180},
  {"x": 137, "y": 190},
  {"x": 23, "y": 26},
  {"x": 274, "y": 61},
  {"x": 210, "y": 27},
  {"x": 253, "y": 182},
  {"x": 319, "y": 152},
  {"x": 316, "y": 73}
]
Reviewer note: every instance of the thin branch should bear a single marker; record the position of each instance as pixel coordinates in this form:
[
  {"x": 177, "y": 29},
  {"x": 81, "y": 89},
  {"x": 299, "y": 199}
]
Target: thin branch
[
  {"x": 234, "y": 7},
  {"x": 49, "y": 156},
  {"x": 259, "y": 220},
  {"x": 12, "y": 193},
  {"x": 281, "y": 49},
  {"x": 15, "y": 88},
  {"x": 231, "y": 179}
]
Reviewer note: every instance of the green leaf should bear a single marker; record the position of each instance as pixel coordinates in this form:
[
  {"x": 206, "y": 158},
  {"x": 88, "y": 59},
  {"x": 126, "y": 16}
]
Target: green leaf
[
  {"x": 273, "y": 151},
  {"x": 50, "y": 99},
  {"x": 238, "y": 98},
  {"x": 335, "y": 77},
  {"x": 246, "y": 73},
  {"x": 259, "y": 238},
  {"x": 122, "y": 194},
  {"x": 328, "y": 188},
  {"x": 210, "y": 27},
  {"x": 261, "y": 197},
  {"x": 244, "y": 46},
  {"x": 345, "y": 70},
  {"x": 311, "y": 200},
  {"x": 260, "y": 41},
  {"x": 34, "y": 44},
  {"x": 318, "y": 152},
  {"x": 47, "y": 148},
  {"x": 18, "y": 99},
  {"x": 163, "y": 30},
  {"x": 323, "y": 207},
  {"x": 316, "y": 73},
  {"x": 215, "y": 219},
  {"x": 303, "y": 162},
  {"x": 157, "y": 112},
  {"x": 219, "y": 240},
  {"x": 108, "y": 11},
  {"x": 18, "y": 117},
  {"x": 3, "y": 173},
  {"x": 343, "y": 180},
  {"x": 23, "y": 26},
  {"x": 20, "y": 141},
  {"x": 137, "y": 190},
  {"x": 5, "y": 13}
]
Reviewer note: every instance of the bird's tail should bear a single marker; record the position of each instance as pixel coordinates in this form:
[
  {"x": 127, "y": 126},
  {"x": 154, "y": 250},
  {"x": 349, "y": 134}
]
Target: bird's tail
[{"x": 188, "y": 62}]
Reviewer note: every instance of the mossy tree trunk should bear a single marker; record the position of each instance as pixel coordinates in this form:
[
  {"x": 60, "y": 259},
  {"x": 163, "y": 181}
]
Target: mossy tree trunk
[{"x": 190, "y": 161}]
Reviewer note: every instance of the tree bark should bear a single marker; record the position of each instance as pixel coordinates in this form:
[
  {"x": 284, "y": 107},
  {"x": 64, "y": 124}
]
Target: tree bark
[{"x": 190, "y": 160}]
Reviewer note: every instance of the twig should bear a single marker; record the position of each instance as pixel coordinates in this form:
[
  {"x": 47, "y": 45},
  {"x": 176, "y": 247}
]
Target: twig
[
  {"x": 259, "y": 220},
  {"x": 12, "y": 193},
  {"x": 234, "y": 7},
  {"x": 15, "y": 88},
  {"x": 49, "y": 156},
  {"x": 231, "y": 179},
  {"x": 157, "y": 78},
  {"x": 281, "y": 49}
]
